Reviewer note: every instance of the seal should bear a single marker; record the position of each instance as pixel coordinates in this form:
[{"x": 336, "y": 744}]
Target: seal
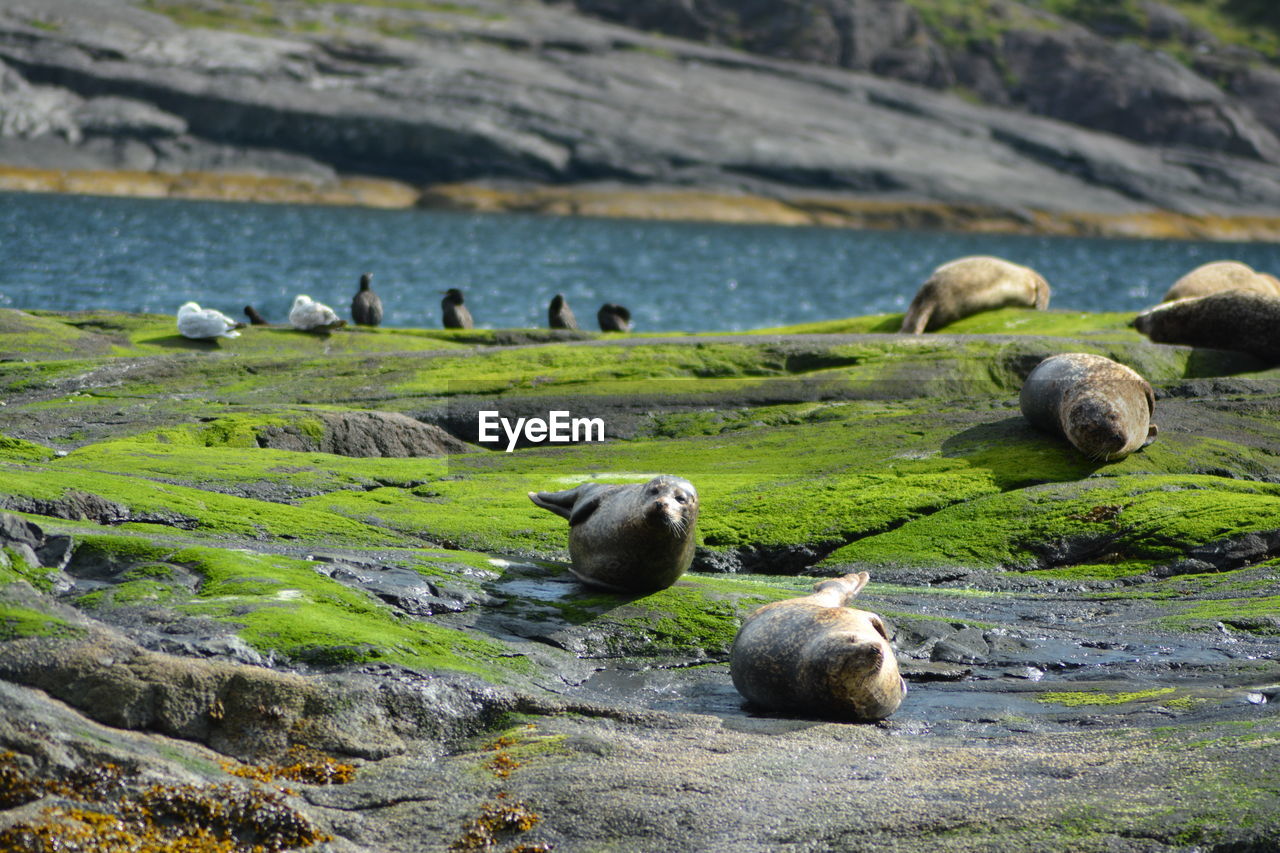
[
  {"x": 1217, "y": 276},
  {"x": 971, "y": 285},
  {"x": 307, "y": 315},
  {"x": 1231, "y": 320},
  {"x": 204, "y": 324},
  {"x": 816, "y": 655},
  {"x": 255, "y": 319},
  {"x": 366, "y": 306},
  {"x": 456, "y": 315},
  {"x": 634, "y": 537},
  {"x": 560, "y": 315},
  {"x": 613, "y": 318},
  {"x": 1101, "y": 406}
]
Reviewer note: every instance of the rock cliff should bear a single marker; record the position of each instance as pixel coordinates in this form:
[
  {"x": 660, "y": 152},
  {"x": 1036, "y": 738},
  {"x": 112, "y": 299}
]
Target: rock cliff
[{"x": 803, "y": 108}]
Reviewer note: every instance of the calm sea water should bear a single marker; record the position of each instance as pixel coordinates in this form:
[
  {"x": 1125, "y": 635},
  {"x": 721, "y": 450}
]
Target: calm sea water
[{"x": 82, "y": 252}]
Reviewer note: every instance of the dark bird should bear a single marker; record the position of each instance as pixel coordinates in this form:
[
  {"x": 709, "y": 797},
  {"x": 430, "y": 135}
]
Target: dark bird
[
  {"x": 560, "y": 315},
  {"x": 614, "y": 318},
  {"x": 456, "y": 315},
  {"x": 366, "y": 307},
  {"x": 255, "y": 318}
]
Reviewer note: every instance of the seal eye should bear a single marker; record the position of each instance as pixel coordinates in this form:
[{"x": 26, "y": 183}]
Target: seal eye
[{"x": 680, "y": 498}]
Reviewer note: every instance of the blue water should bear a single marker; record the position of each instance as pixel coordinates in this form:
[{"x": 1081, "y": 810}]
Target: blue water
[{"x": 83, "y": 252}]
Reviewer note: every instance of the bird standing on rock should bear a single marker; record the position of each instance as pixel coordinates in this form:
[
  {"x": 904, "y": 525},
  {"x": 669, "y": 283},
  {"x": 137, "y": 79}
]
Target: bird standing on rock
[
  {"x": 366, "y": 307},
  {"x": 560, "y": 315},
  {"x": 307, "y": 315},
  {"x": 202, "y": 324},
  {"x": 614, "y": 318},
  {"x": 255, "y": 318},
  {"x": 456, "y": 315}
]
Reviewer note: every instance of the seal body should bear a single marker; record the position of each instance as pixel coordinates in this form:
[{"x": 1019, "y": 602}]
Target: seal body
[
  {"x": 1101, "y": 406},
  {"x": 366, "y": 306},
  {"x": 969, "y": 286},
  {"x": 307, "y": 315},
  {"x": 613, "y": 318},
  {"x": 636, "y": 537},
  {"x": 1218, "y": 276},
  {"x": 559, "y": 314},
  {"x": 1231, "y": 320},
  {"x": 203, "y": 324},
  {"x": 816, "y": 655},
  {"x": 455, "y": 315}
]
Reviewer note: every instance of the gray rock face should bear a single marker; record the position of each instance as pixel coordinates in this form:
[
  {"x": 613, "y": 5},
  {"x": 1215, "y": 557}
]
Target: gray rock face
[{"x": 542, "y": 93}]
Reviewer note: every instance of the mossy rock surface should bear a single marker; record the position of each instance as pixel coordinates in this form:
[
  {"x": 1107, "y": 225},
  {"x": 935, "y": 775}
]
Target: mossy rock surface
[{"x": 1039, "y": 601}]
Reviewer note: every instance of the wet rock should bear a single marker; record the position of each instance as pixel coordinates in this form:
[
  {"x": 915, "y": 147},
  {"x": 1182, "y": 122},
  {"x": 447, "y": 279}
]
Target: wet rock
[{"x": 967, "y": 646}]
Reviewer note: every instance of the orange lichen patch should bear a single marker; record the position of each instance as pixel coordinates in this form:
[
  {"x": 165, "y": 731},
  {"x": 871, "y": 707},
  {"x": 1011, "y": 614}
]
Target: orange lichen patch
[
  {"x": 496, "y": 820},
  {"x": 217, "y": 186},
  {"x": 1097, "y": 514},
  {"x": 159, "y": 819},
  {"x": 302, "y": 764}
]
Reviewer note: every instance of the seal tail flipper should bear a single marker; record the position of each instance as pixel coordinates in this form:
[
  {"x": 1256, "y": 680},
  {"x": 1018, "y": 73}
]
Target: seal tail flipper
[
  {"x": 916, "y": 318},
  {"x": 842, "y": 590},
  {"x": 561, "y": 503}
]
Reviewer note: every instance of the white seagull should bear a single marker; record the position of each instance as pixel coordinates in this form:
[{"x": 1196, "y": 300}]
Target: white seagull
[
  {"x": 311, "y": 316},
  {"x": 204, "y": 324}
]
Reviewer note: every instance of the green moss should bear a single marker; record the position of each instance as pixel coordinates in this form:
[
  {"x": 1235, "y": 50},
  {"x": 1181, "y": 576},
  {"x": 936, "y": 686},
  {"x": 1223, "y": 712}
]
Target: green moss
[
  {"x": 283, "y": 606},
  {"x": 17, "y": 622},
  {"x": 1075, "y": 699},
  {"x": 1160, "y": 518},
  {"x": 23, "y": 451},
  {"x": 164, "y": 504}
]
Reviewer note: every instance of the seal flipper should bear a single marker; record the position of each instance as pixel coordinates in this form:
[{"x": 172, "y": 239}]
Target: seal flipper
[{"x": 561, "y": 503}]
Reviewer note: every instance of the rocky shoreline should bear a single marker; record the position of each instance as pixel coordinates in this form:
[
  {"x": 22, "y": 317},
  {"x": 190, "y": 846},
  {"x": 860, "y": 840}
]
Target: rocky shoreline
[
  {"x": 553, "y": 109},
  {"x": 244, "y": 573}
]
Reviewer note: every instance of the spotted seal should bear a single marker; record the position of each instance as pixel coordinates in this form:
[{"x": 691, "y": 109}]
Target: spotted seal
[
  {"x": 1101, "y": 406},
  {"x": 1230, "y": 319},
  {"x": 816, "y": 655},
  {"x": 634, "y": 537},
  {"x": 969, "y": 286},
  {"x": 1217, "y": 276}
]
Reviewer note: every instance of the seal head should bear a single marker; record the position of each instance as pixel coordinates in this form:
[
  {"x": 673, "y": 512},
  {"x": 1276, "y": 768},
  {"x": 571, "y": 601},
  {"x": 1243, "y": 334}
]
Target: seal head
[
  {"x": 635, "y": 537},
  {"x": 815, "y": 655},
  {"x": 1101, "y": 406}
]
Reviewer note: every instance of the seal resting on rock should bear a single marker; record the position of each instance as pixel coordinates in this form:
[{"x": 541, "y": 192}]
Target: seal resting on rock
[
  {"x": 1099, "y": 405},
  {"x": 818, "y": 656},
  {"x": 636, "y": 537},
  {"x": 366, "y": 306},
  {"x": 1231, "y": 320},
  {"x": 202, "y": 324},
  {"x": 560, "y": 315},
  {"x": 969, "y": 286},
  {"x": 455, "y": 315},
  {"x": 307, "y": 315},
  {"x": 1217, "y": 276}
]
